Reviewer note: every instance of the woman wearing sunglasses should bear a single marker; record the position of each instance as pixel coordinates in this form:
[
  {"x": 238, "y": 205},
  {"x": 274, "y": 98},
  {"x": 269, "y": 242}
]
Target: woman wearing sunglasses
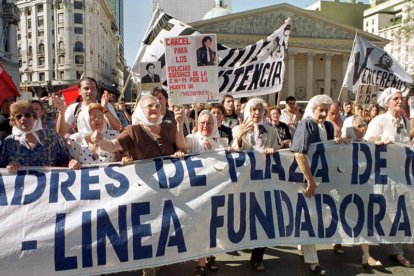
[{"x": 30, "y": 144}]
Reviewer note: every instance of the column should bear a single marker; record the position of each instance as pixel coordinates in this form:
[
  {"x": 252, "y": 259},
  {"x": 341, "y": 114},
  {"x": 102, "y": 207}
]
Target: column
[
  {"x": 291, "y": 75},
  {"x": 309, "y": 75},
  {"x": 328, "y": 68}
]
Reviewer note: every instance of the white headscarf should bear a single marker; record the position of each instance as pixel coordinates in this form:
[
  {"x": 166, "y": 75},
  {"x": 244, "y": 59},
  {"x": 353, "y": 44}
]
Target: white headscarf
[
  {"x": 252, "y": 103},
  {"x": 386, "y": 95},
  {"x": 20, "y": 135},
  {"x": 215, "y": 133},
  {"x": 84, "y": 122},
  {"x": 138, "y": 116},
  {"x": 314, "y": 103}
]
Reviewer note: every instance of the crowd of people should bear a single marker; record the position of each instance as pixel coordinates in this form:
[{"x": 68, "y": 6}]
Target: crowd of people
[{"x": 95, "y": 132}]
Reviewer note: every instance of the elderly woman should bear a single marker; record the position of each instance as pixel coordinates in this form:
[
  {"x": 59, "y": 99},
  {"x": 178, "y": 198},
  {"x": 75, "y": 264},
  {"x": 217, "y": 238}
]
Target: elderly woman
[
  {"x": 205, "y": 139},
  {"x": 207, "y": 136},
  {"x": 312, "y": 129},
  {"x": 81, "y": 146},
  {"x": 30, "y": 144},
  {"x": 150, "y": 137},
  {"x": 356, "y": 133},
  {"x": 252, "y": 134},
  {"x": 388, "y": 128}
]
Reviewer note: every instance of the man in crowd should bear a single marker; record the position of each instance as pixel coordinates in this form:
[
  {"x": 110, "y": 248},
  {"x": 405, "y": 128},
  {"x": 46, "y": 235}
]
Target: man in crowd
[
  {"x": 290, "y": 115},
  {"x": 68, "y": 117},
  {"x": 5, "y": 127}
]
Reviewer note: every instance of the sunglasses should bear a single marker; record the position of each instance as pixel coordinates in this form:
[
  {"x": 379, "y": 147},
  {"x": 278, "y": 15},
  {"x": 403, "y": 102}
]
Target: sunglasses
[
  {"x": 27, "y": 115},
  {"x": 361, "y": 126}
]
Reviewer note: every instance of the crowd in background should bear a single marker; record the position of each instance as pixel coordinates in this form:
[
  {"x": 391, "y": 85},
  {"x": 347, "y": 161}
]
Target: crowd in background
[{"x": 94, "y": 131}]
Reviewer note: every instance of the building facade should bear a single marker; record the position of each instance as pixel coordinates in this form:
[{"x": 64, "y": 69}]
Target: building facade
[
  {"x": 9, "y": 58},
  {"x": 319, "y": 48},
  {"x": 60, "y": 41},
  {"x": 189, "y": 10},
  {"x": 394, "y": 20}
]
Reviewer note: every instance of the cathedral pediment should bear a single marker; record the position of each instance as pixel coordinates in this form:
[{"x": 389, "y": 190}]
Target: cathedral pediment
[{"x": 263, "y": 21}]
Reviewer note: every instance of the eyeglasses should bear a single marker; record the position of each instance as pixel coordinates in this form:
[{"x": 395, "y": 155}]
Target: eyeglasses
[
  {"x": 361, "y": 126},
  {"x": 155, "y": 105},
  {"x": 27, "y": 115},
  {"x": 396, "y": 99},
  {"x": 95, "y": 117}
]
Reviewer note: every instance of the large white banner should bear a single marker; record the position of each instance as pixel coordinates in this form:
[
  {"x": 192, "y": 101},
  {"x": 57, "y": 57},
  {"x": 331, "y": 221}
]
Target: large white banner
[
  {"x": 255, "y": 70},
  {"x": 371, "y": 65},
  {"x": 114, "y": 218}
]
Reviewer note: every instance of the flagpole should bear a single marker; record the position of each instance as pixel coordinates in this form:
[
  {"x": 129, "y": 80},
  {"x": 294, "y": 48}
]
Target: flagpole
[{"x": 125, "y": 87}]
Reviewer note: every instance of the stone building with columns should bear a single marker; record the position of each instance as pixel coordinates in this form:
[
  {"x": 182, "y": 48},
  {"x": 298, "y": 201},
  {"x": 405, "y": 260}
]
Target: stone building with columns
[
  {"x": 319, "y": 48},
  {"x": 59, "y": 41},
  {"x": 9, "y": 58}
]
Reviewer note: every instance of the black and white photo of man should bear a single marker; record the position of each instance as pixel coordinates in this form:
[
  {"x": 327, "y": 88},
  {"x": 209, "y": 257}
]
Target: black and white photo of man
[
  {"x": 205, "y": 55},
  {"x": 150, "y": 77}
]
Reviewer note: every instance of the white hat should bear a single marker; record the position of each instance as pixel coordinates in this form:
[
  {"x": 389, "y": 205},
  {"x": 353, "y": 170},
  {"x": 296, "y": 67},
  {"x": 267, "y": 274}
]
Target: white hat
[{"x": 386, "y": 95}]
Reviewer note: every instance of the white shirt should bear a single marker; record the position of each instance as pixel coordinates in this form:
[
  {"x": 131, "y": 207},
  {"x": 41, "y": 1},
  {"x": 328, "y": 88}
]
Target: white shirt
[
  {"x": 197, "y": 143},
  {"x": 347, "y": 123},
  {"x": 383, "y": 126},
  {"x": 80, "y": 151},
  {"x": 286, "y": 118}
]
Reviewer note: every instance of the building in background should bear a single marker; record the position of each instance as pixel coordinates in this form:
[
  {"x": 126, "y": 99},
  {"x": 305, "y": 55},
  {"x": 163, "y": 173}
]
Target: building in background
[
  {"x": 190, "y": 10},
  {"x": 9, "y": 58},
  {"x": 319, "y": 47},
  {"x": 60, "y": 41},
  {"x": 117, "y": 7},
  {"x": 348, "y": 12},
  {"x": 394, "y": 20}
]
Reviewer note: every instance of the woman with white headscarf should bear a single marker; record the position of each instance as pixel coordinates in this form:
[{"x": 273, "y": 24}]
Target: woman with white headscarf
[
  {"x": 150, "y": 137},
  {"x": 253, "y": 134},
  {"x": 30, "y": 144},
  {"x": 207, "y": 136},
  {"x": 313, "y": 128},
  {"x": 80, "y": 144},
  {"x": 387, "y": 128}
]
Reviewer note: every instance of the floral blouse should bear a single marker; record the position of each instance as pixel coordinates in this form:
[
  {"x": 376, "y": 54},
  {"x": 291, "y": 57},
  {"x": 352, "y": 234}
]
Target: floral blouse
[{"x": 53, "y": 152}]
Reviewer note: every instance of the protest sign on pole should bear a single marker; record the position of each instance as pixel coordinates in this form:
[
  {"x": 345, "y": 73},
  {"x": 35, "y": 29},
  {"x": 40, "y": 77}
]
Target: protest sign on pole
[
  {"x": 371, "y": 65},
  {"x": 192, "y": 72},
  {"x": 367, "y": 94}
]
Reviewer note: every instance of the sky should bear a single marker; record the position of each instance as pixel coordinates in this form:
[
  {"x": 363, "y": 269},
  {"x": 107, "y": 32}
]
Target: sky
[{"x": 137, "y": 14}]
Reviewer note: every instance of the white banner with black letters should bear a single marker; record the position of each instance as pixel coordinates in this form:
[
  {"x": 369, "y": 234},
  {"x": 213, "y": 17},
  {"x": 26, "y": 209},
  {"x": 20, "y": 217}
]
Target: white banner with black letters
[
  {"x": 161, "y": 211},
  {"x": 371, "y": 65},
  {"x": 255, "y": 70}
]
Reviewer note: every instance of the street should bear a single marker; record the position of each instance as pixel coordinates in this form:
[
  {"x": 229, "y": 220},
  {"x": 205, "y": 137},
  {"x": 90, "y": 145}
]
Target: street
[{"x": 286, "y": 260}]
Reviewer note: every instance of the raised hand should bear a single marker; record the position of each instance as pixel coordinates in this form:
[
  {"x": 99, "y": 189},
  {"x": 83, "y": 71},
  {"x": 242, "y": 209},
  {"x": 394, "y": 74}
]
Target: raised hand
[{"x": 58, "y": 103}]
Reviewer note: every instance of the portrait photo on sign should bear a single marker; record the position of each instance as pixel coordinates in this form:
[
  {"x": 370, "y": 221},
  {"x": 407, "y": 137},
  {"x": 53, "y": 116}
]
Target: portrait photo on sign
[
  {"x": 150, "y": 72},
  {"x": 207, "y": 52}
]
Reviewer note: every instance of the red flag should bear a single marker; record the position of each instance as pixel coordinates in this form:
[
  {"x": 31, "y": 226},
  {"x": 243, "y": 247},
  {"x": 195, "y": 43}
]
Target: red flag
[
  {"x": 7, "y": 87},
  {"x": 70, "y": 94}
]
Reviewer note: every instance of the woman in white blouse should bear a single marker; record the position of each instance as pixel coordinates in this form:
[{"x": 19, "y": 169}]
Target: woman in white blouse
[
  {"x": 385, "y": 129},
  {"x": 80, "y": 145}
]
